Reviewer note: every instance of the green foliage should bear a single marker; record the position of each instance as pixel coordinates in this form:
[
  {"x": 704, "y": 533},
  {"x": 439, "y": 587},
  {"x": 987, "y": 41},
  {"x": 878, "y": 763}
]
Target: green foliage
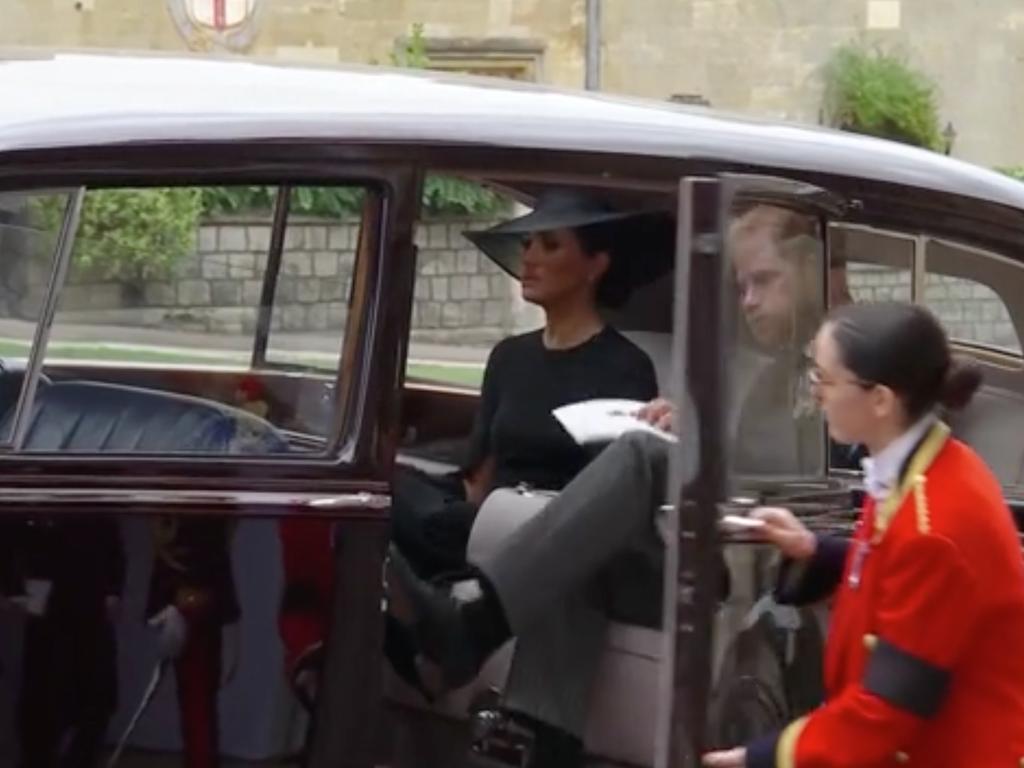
[
  {"x": 444, "y": 195},
  {"x": 413, "y": 52},
  {"x": 136, "y": 234},
  {"x": 876, "y": 93},
  {"x": 331, "y": 202},
  {"x": 1013, "y": 171},
  {"x": 131, "y": 235}
]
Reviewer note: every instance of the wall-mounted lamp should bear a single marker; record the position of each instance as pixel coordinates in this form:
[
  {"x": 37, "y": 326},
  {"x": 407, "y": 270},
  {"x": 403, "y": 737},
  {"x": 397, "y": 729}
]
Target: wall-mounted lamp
[{"x": 949, "y": 136}]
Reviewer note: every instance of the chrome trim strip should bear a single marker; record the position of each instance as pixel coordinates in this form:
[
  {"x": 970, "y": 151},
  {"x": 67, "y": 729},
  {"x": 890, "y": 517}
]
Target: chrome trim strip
[
  {"x": 917, "y": 287},
  {"x": 65, "y": 245},
  {"x": 195, "y": 498}
]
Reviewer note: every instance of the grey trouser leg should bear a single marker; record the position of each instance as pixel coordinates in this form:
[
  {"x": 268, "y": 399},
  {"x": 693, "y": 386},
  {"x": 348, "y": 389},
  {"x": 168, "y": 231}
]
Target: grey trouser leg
[
  {"x": 555, "y": 664},
  {"x": 549, "y": 574}
]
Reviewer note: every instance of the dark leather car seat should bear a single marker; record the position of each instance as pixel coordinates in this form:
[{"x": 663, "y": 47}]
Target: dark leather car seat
[
  {"x": 88, "y": 416},
  {"x": 12, "y": 378}
]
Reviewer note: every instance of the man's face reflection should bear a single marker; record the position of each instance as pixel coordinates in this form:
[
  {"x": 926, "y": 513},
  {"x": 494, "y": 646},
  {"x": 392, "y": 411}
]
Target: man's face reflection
[{"x": 766, "y": 283}]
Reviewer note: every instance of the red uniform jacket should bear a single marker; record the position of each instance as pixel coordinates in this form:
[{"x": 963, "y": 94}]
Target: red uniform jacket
[{"x": 925, "y": 657}]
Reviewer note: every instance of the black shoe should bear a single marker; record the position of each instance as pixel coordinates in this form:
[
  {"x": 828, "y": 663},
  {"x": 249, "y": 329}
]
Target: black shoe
[{"x": 437, "y": 621}]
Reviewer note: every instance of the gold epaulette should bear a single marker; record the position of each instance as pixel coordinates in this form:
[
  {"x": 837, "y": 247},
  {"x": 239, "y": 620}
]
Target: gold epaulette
[
  {"x": 914, "y": 480},
  {"x": 924, "y": 522}
]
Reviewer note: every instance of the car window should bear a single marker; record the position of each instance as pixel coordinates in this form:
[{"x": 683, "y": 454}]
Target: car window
[
  {"x": 464, "y": 303},
  {"x": 969, "y": 291},
  {"x": 868, "y": 265},
  {"x": 313, "y": 289},
  {"x": 777, "y": 271},
  {"x": 152, "y": 344},
  {"x": 30, "y": 224}
]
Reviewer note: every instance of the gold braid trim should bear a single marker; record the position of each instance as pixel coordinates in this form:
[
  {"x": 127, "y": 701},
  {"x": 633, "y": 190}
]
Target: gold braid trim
[
  {"x": 923, "y": 457},
  {"x": 924, "y": 520},
  {"x": 785, "y": 750}
]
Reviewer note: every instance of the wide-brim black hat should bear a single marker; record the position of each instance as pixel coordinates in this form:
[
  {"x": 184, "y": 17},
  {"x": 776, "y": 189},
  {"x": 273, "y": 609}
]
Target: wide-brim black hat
[{"x": 645, "y": 247}]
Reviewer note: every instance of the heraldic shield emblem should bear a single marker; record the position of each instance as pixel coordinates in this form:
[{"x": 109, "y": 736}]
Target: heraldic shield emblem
[{"x": 217, "y": 24}]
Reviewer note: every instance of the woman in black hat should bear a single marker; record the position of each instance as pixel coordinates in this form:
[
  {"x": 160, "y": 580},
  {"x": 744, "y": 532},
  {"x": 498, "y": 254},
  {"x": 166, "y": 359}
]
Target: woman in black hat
[{"x": 569, "y": 256}]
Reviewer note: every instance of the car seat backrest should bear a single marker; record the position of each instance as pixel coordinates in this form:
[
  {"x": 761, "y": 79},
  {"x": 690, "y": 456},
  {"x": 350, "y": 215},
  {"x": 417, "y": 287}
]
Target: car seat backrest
[{"x": 94, "y": 417}]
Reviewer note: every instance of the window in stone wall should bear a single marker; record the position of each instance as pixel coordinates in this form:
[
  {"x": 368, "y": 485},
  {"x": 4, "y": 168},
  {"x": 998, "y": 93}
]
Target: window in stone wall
[
  {"x": 165, "y": 292},
  {"x": 969, "y": 306},
  {"x": 509, "y": 58},
  {"x": 869, "y": 265},
  {"x": 464, "y": 302}
]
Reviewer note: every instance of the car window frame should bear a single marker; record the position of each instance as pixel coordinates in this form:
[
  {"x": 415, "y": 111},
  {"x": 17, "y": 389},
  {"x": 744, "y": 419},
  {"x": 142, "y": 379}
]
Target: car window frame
[
  {"x": 352, "y": 447},
  {"x": 1004, "y": 354}
]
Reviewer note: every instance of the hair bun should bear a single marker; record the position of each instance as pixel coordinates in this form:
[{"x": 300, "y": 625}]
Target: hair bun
[{"x": 959, "y": 385}]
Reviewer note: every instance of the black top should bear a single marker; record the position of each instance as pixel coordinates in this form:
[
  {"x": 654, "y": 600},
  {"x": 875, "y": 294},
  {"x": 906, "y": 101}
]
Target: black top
[{"x": 524, "y": 381}]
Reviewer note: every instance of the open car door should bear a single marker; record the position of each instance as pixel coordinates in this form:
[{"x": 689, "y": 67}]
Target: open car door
[{"x": 751, "y": 286}]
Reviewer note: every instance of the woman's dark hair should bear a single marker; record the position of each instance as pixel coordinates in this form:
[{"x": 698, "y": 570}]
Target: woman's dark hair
[
  {"x": 638, "y": 247},
  {"x": 903, "y": 347},
  {"x": 613, "y": 289}
]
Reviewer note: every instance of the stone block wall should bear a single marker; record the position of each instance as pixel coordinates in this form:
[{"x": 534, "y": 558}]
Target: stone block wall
[
  {"x": 969, "y": 310},
  {"x": 460, "y": 294}
]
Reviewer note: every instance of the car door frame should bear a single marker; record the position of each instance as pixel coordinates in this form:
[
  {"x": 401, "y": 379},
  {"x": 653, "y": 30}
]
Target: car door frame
[{"x": 349, "y": 483}]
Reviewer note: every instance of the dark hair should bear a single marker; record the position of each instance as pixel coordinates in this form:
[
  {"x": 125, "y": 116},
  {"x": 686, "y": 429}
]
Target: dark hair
[
  {"x": 609, "y": 237},
  {"x": 903, "y": 347}
]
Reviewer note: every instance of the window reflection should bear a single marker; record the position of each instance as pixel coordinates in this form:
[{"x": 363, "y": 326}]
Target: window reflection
[
  {"x": 777, "y": 262},
  {"x": 96, "y": 610}
]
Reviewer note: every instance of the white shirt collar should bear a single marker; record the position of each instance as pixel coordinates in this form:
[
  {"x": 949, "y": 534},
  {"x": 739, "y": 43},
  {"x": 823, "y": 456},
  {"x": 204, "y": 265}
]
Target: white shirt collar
[{"x": 881, "y": 472}]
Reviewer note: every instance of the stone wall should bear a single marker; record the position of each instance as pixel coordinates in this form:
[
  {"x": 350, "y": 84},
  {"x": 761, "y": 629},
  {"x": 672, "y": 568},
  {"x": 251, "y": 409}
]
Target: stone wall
[
  {"x": 460, "y": 294},
  {"x": 760, "y": 57},
  {"x": 969, "y": 310}
]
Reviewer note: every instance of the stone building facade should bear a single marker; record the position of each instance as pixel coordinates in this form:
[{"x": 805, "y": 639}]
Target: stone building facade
[{"x": 758, "y": 57}]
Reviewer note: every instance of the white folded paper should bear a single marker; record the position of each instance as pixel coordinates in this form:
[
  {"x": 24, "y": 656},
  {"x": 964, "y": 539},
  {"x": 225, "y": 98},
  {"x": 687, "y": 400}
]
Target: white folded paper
[{"x": 601, "y": 421}]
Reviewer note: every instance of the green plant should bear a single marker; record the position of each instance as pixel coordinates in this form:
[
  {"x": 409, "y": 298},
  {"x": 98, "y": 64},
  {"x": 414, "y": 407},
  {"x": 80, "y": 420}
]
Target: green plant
[
  {"x": 332, "y": 202},
  {"x": 131, "y": 235},
  {"x": 412, "y": 52},
  {"x": 1013, "y": 171},
  {"x": 876, "y": 93},
  {"x": 444, "y": 195}
]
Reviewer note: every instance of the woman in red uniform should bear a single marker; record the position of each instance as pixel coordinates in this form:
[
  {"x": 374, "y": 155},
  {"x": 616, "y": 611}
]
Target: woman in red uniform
[{"x": 924, "y": 662}]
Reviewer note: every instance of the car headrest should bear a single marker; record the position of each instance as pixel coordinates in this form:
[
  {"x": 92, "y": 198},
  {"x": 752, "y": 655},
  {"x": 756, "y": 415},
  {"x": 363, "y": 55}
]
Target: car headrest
[{"x": 94, "y": 417}]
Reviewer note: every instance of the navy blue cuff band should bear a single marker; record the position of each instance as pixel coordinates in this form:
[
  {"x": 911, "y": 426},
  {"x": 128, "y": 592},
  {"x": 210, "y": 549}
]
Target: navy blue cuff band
[
  {"x": 761, "y": 751},
  {"x": 804, "y": 582}
]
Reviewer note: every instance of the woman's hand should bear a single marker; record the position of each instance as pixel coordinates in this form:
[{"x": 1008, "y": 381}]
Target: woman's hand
[
  {"x": 785, "y": 531},
  {"x": 726, "y": 758},
  {"x": 477, "y": 483},
  {"x": 660, "y": 413}
]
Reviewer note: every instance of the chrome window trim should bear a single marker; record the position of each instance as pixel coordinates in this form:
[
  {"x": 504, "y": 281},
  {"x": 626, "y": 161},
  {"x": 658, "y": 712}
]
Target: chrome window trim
[{"x": 58, "y": 271}]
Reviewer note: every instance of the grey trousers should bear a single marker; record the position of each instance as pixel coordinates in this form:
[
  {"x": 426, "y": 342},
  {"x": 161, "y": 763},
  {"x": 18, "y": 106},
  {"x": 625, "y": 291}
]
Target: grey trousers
[{"x": 592, "y": 554}]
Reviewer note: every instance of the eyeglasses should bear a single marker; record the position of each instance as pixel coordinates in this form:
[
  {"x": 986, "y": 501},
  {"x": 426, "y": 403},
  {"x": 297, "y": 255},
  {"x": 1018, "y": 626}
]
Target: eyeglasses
[{"x": 819, "y": 379}]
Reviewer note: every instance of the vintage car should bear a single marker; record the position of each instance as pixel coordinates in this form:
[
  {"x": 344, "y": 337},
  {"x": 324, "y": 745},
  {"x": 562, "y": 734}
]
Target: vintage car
[{"x": 214, "y": 428}]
